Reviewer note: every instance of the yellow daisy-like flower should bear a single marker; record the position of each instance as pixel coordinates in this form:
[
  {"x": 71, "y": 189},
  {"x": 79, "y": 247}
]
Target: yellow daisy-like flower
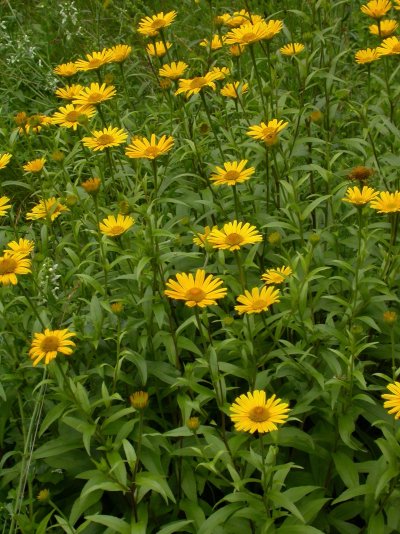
[
  {"x": 366, "y": 56},
  {"x": 69, "y": 92},
  {"x": 233, "y": 173},
  {"x": 120, "y": 53},
  {"x": 150, "y": 26},
  {"x": 34, "y": 124},
  {"x": 22, "y": 247},
  {"x": 216, "y": 43},
  {"x": 291, "y": 49},
  {"x": 267, "y": 132},
  {"x": 376, "y": 8},
  {"x": 257, "y": 300},
  {"x": 236, "y": 49},
  {"x": 251, "y": 33},
  {"x": 66, "y": 69},
  {"x": 72, "y": 116},
  {"x": 95, "y": 60},
  {"x": 234, "y": 90},
  {"x": 255, "y": 413},
  {"x": 384, "y": 29},
  {"x": 5, "y": 160},
  {"x": 158, "y": 49},
  {"x": 114, "y": 226},
  {"x": 241, "y": 17},
  {"x": 105, "y": 138},
  {"x": 222, "y": 72},
  {"x": 392, "y": 403},
  {"x": 4, "y": 206},
  {"x": 95, "y": 94},
  {"x": 389, "y": 47},
  {"x": 91, "y": 186},
  {"x": 143, "y": 148},
  {"x": 201, "y": 240},
  {"x": 173, "y": 71},
  {"x": 234, "y": 235},
  {"x": 192, "y": 86},
  {"x": 36, "y": 165},
  {"x": 50, "y": 207},
  {"x": 49, "y": 343},
  {"x": 360, "y": 197},
  {"x": 196, "y": 290},
  {"x": 398, "y": 5},
  {"x": 276, "y": 276},
  {"x": 12, "y": 264},
  {"x": 386, "y": 202}
]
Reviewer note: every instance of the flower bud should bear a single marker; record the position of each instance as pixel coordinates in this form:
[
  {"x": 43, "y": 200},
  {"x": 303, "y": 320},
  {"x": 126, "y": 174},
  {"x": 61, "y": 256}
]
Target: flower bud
[{"x": 139, "y": 400}]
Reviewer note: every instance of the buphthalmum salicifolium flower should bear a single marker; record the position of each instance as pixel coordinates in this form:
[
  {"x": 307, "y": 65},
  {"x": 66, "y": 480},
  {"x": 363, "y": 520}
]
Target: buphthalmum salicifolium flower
[
  {"x": 35, "y": 165},
  {"x": 23, "y": 247},
  {"x": 66, "y": 69},
  {"x": 71, "y": 116},
  {"x": 366, "y": 56},
  {"x": 198, "y": 290},
  {"x": 360, "y": 197},
  {"x": 233, "y": 172},
  {"x": 48, "y": 344},
  {"x": 222, "y": 72},
  {"x": 267, "y": 132},
  {"x": 158, "y": 49},
  {"x": 386, "y": 202},
  {"x": 91, "y": 185},
  {"x": 376, "y": 8},
  {"x": 105, "y": 138},
  {"x": 360, "y": 173},
  {"x": 251, "y": 33},
  {"x": 234, "y": 90},
  {"x": 143, "y": 148},
  {"x": 291, "y": 49},
  {"x": 385, "y": 28},
  {"x": 48, "y": 208},
  {"x": 5, "y": 160},
  {"x": 120, "y": 52},
  {"x": 11, "y": 264},
  {"x": 192, "y": 86},
  {"x": 392, "y": 399},
  {"x": 4, "y": 206},
  {"x": 216, "y": 42},
  {"x": 150, "y": 26},
  {"x": 94, "y": 94},
  {"x": 389, "y": 47},
  {"x": 114, "y": 226},
  {"x": 69, "y": 92},
  {"x": 234, "y": 235},
  {"x": 34, "y": 124},
  {"x": 257, "y": 300},
  {"x": 276, "y": 276},
  {"x": 173, "y": 71},
  {"x": 238, "y": 18},
  {"x": 201, "y": 239},
  {"x": 95, "y": 60},
  {"x": 398, "y": 5},
  {"x": 253, "y": 412}
]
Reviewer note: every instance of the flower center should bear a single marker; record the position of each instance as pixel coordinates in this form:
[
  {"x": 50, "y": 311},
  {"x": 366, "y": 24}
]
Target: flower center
[
  {"x": 198, "y": 82},
  {"x": 72, "y": 116},
  {"x": 50, "y": 344},
  {"x": 232, "y": 175},
  {"x": 158, "y": 23},
  {"x": 259, "y": 414},
  {"x": 152, "y": 151},
  {"x": 117, "y": 230},
  {"x": 196, "y": 294},
  {"x": 8, "y": 266},
  {"x": 249, "y": 37},
  {"x": 95, "y": 97},
  {"x": 105, "y": 139},
  {"x": 259, "y": 304},
  {"x": 233, "y": 239}
]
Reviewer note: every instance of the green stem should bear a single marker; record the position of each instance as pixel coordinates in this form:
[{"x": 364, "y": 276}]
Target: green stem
[
  {"x": 203, "y": 99},
  {"x": 259, "y": 83},
  {"x": 103, "y": 257},
  {"x": 34, "y": 309},
  {"x": 240, "y": 269}
]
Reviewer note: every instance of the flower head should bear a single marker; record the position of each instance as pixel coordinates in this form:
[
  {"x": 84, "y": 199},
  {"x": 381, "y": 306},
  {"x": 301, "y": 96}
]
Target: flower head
[
  {"x": 201, "y": 240},
  {"x": 195, "y": 290},
  {"x": 69, "y": 92},
  {"x": 386, "y": 202},
  {"x": 258, "y": 300},
  {"x": 143, "y": 148},
  {"x": 291, "y": 49},
  {"x": 5, "y": 160},
  {"x": 50, "y": 207},
  {"x": 150, "y": 26},
  {"x": 192, "y": 86},
  {"x": 23, "y": 247},
  {"x": 234, "y": 235},
  {"x": 376, "y": 8},
  {"x": 91, "y": 185},
  {"x": 4, "y": 206},
  {"x": 34, "y": 123},
  {"x": 49, "y": 343},
  {"x": 390, "y": 317},
  {"x": 95, "y": 60},
  {"x": 360, "y": 173},
  {"x": 158, "y": 49},
  {"x": 139, "y": 400},
  {"x": 392, "y": 400},
  {"x": 239, "y": 18},
  {"x": 267, "y": 132},
  {"x": 43, "y": 495},
  {"x": 366, "y": 56},
  {"x": 66, "y": 69},
  {"x": 384, "y": 29},
  {"x": 120, "y": 53},
  {"x": 276, "y": 276},
  {"x": 216, "y": 43},
  {"x": 255, "y": 413},
  {"x": 389, "y": 47},
  {"x": 115, "y": 226},
  {"x": 234, "y": 90},
  {"x": 173, "y": 71},
  {"x": 222, "y": 72},
  {"x": 95, "y": 94},
  {"x": 251, "y": 33},
  {"x": 12, "y": 264},
  {"x": 72, "y": 116},
  {"x": 233, "y": 173},
  {"x": 360, "y": 197},
  {"x": 105, "y": 138},
  {"x": 36, "y": 165},
  {"x": 236, "y": 49}
]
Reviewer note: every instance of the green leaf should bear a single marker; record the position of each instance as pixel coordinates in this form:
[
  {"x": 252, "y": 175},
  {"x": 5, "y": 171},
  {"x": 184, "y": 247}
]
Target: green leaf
[
  {"x": 176, "y": 526},
  {"x": 153, "y": 482},
  {"x": 118, "y": 525},
  {"x": 351, "y": 493},
  {"x": 346, "y": 469}
]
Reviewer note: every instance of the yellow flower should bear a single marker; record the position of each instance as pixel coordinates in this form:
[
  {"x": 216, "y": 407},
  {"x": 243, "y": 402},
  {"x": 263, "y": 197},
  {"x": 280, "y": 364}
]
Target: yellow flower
[
  {"x": 360, "y": 197},
  {"x": 316, "y": 116},
  {"x": 387, "y": 202},
  {"x": 276, "y": 276},
  {"x": 384, "y": 29},
  {"x": 234, "y": 90},
  {"x": 233, "y": 173},
  {"x": 222, "y": 72},
  {"x": 173, "y": 71},
  {"x": 217, "y": 42},
  {"x": 23, "y": 247},
  {"x": 36, "y": 165},
  {"x": 236, "y": 49},
  {"x": 43, "y": 495},
  {"x": 366, "y": 56},
  {"x": 255, "y": 413},
  {"x": 12, "y": 264},
  {"x": 4, "y": 206},
  {"x": 192, "y": 86},
  {"x": 91, "y": 185},
  {"x": 158, "y": 48},
  {"x": 50, "y": 207},
  {"x": 291, "y": 49},
  {"x": 95, "y": 94},
  {"x": 115, "y": 226},
  {"x": 34, "y": 124},
  {"x": 234, "y": 235},
  {"x": 390, "y": 317},
  {"x": 193, "y": 423},
  {"x": 5, "y": 160},
  {"x": 66, "y": 69},
  {"x": 389, "y": 47},
  {"x": 105, "y": 138},
  {"x": 139, "y": 400},
  {"x": 241, "y": 17},
  {"x": 117, "y": 307},
  {"x": 398, "y": 5},
  {"x": 392, "y": 403},
  {"x": 120, "y": 53},
  {"x": 72, "y": 116},
  {"x": 143, "y": 148},
  {"x": 94, "y": 60},
  {"x": 49, "y": 343},
  {"x": 376, "y": 8},
  {"x": 267, "y": 132},
  {"x": 69, "y": 92},
  {"x": 150, "y": 26},
  {"x": 251, "y": 33},
  {"x": 257, "y": 300},
  {"x": 201, "y": 240},
  {"x": 196, "y": 290}
]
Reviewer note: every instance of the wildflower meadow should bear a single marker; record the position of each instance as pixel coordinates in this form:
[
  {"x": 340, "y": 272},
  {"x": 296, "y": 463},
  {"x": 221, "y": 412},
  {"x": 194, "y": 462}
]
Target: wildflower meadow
[{"x": 199, "y": 267}]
